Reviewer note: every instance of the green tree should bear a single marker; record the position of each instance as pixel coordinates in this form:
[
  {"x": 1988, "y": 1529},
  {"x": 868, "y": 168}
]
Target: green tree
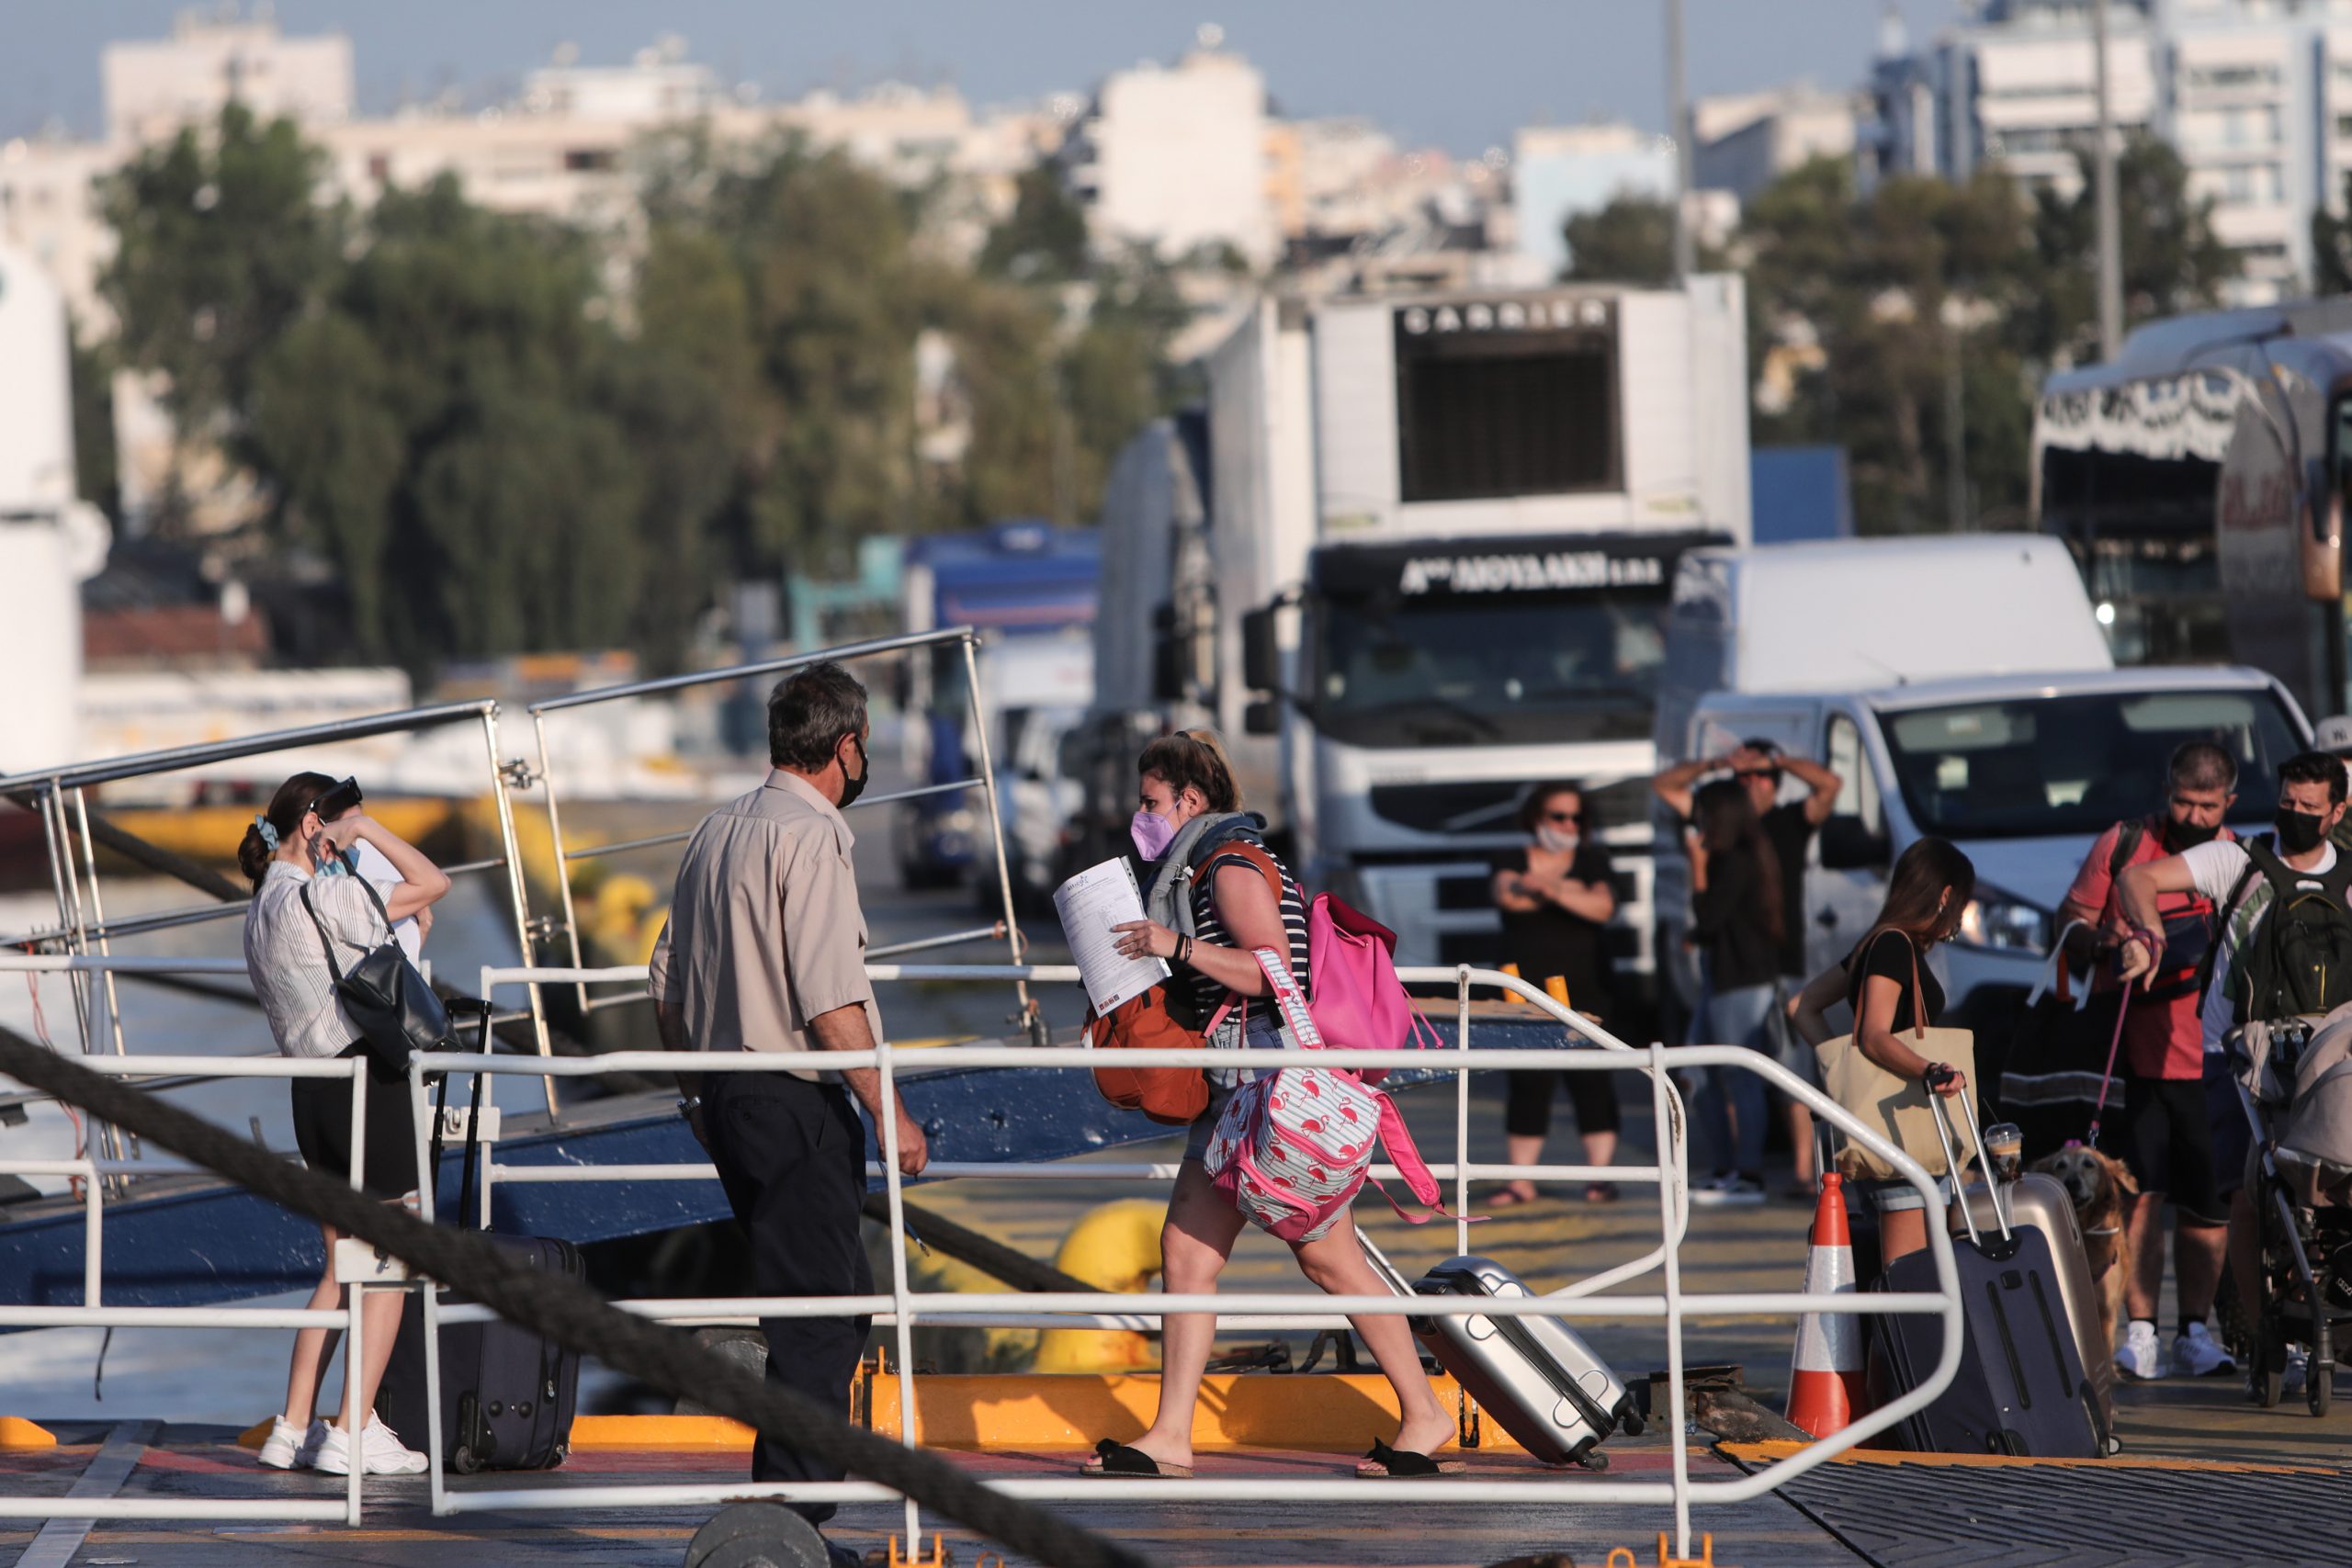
[
  {"x": 1893, "y": 305},
  {"x": 1044, "y": 238},
  {"x": 96, "y": 479},
  {"x": 222, "y": 244},
  {"x": 2173, "y": 261},
  {"x": 1629, "y": 241},
  {"x": 2332, "y": 247}
]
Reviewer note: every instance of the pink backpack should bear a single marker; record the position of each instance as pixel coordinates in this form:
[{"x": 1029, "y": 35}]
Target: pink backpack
[
  {"x": 1295, "y": 1147},
  {"x": 1359, "y": 1002}
]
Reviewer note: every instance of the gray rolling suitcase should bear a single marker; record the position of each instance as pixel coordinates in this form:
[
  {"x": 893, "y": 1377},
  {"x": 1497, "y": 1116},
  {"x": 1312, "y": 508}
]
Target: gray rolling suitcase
[
  {"x": 1533, "y": 1375},
  {"x": 2020, "y": 1388},
  {"x": 2040, "y": 1202}
]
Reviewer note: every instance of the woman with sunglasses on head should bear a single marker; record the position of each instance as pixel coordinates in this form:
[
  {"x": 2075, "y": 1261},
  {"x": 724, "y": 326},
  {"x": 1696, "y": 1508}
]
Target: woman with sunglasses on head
[
  {"x": 1556, "y": 898},
  {"x": 295, "y": 856}
]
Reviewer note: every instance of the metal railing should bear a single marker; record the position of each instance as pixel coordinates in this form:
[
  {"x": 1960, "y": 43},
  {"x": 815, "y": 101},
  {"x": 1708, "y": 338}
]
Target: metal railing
[
  {"x": 901, "y": 1308},
  {"x": 83, "y": 931},
  {"x": 984, "y": 781},
  {"x": 92, "y": 1312}
]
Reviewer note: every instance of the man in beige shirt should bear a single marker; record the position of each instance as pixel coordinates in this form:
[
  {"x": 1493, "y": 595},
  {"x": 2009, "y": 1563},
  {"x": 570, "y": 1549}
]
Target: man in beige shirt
[{"x": 764, "y": 951}]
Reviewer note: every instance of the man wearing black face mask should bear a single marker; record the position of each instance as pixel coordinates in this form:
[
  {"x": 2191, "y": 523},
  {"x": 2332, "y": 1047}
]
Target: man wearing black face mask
[
  {"x": 765, "y": 949},
  {"x": 2166, "y": 1134},
  {"x": 2248, "y": 980}
]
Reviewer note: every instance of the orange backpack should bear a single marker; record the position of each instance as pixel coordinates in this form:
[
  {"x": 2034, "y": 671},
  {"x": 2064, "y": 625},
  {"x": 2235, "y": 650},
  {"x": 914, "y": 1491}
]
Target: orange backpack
[{"x": 1172, "y": 1096}]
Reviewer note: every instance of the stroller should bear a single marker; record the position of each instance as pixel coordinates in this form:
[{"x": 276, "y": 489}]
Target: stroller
[{"x": 2294, "y": 1078}]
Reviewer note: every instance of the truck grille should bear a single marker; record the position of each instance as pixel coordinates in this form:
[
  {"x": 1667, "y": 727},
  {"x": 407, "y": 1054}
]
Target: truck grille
[{"x": 1490, "y": 805}]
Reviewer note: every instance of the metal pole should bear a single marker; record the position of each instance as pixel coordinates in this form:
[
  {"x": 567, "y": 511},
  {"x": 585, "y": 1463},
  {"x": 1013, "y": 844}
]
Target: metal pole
[
  {"x": 98, "y": 913},
  {"x": 562, "y": 870},
  {"x": 996, "y": 822},
  {"x": 1669, "y": 1197},
  {"x": 1678, "y": 123},
  {"x": 74, "y": 933},
  {"x": 2110, "y": 243},
  {"x": 518, "y": 889},
  {"x": 1462, "y": 1113},
  {"x": 885, "y": 1131}
]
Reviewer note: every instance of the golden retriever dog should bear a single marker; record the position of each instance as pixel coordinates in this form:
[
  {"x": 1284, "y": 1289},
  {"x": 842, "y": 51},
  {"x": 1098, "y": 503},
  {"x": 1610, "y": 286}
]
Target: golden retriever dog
[{"x": 2101, "y": 1190}]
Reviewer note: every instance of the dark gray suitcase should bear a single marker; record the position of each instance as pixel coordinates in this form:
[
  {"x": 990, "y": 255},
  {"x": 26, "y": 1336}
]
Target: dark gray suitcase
[
  {"x": 507, "y": 1392},
  {"x": 1540, "y": 1381},
  {"x": 2040, "y": 1202},
  {"x": 2020, "y": 1387}
]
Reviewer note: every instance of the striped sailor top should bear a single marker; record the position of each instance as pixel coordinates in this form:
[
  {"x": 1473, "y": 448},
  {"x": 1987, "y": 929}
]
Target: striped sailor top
[{"x": 1206, "y": 994}]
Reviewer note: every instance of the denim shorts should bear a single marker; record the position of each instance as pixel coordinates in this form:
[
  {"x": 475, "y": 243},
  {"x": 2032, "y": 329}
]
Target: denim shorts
[{"x": 1264, "y": 1033}]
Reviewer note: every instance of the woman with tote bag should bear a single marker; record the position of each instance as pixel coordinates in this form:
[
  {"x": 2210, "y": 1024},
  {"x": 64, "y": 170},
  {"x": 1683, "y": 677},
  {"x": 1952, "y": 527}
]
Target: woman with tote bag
[{"x": 1882, "y": 1071}]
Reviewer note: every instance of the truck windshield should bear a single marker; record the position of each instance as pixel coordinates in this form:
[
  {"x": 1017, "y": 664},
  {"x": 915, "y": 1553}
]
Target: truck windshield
[
  {"x": 2035, "y": 766},
  {"x": 1522, "y": 669}
]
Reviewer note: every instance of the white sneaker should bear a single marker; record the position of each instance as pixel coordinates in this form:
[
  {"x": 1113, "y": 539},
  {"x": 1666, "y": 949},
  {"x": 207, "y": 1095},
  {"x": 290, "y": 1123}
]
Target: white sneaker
[
  {"x": 1727, "y": 1187},
  {"x": 2198, "y": 1354},
  {"x": 2140, "y": 1357},
  {"x": 380, "y": 1450},
  {"x": 282, "y": 1450}
]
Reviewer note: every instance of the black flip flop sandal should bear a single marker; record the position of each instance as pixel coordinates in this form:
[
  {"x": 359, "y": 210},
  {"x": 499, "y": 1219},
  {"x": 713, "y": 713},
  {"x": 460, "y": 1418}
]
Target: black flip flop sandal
[
  {"x": 1120, "y": 1460},
  {"x": 1401, "y": 1464}
]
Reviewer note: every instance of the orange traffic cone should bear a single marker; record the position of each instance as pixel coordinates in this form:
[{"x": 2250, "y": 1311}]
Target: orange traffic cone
[{"x": 1826, "y": 1375}]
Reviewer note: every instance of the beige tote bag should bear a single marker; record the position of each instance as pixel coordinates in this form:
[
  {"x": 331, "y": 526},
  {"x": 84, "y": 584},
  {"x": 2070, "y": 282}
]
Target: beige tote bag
[{"x": 1894, "y": 1108}]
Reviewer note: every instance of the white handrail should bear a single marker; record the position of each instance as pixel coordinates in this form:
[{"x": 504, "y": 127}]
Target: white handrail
[
  {"x": 92, "y": 1312},
  {"x": 903, "y": 1307}
]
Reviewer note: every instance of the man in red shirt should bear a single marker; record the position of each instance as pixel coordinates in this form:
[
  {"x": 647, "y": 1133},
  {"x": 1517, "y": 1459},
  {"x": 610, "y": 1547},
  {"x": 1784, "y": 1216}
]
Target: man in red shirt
[{"x": 2165, "y": 1130}]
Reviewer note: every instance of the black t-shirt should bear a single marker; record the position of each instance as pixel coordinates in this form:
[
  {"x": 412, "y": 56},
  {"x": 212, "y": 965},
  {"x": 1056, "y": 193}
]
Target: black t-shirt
[
  {"x": 1547, "y": 940},
  {"x": 1730, "y": 919},
  {"x": 1889, "y": 956},
  {"x": 1786, "y": 829}
]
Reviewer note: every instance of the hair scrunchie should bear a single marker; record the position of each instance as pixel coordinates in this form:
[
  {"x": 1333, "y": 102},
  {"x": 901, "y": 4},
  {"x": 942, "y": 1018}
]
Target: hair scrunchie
[{"x": 268, "y": 833}]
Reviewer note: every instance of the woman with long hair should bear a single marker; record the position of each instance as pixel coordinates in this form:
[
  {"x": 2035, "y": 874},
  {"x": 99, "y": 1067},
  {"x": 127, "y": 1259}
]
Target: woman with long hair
[
  {"x": 1932, "y": 885},
  {"x": 1188, "y": 806},
  {"x": 294, "y": 854},
  {"x": 1557, "y": 897},
  {"x": 1736, "y": 922}
]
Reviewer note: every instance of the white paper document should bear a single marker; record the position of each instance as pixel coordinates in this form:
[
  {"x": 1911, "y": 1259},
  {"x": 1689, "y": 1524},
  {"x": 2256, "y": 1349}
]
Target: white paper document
[{"x": 1090, "y": 904}]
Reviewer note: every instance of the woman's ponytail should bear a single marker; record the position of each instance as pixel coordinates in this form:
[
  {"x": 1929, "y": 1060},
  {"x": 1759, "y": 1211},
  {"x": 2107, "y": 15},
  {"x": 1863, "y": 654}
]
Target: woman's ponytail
[{"x": 267, "y": 831}]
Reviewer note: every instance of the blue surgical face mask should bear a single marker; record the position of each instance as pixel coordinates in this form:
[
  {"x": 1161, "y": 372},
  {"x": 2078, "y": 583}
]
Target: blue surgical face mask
[{"x": 343, "y": 863}]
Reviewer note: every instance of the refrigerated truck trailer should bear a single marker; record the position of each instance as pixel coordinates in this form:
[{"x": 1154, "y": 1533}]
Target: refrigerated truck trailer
[{"x": 1416, "y": 557}]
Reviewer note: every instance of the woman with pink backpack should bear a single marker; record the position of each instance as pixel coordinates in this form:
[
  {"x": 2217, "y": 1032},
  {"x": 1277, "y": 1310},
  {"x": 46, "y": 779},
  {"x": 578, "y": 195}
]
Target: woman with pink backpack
[{"x": 1189, "y": 808}]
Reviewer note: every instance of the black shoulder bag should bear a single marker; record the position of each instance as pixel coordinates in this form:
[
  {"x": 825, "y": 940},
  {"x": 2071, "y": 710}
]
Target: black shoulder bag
[{"x": 395, "y": 1010}]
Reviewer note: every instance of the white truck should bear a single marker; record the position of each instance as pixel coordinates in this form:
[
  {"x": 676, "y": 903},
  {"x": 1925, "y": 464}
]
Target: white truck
[
  {"x": 1416, "y": 558},
  {"x": 1960, "y": 687}
]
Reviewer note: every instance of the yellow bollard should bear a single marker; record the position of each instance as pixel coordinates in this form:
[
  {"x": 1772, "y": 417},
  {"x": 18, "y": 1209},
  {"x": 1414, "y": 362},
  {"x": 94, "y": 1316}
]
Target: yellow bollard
[
  {"x": 1114, "y": 1247},
  {"x": 1556, "y": 987}
]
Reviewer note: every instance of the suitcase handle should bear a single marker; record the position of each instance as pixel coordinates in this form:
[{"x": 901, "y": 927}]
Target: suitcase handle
[{"x": 1984, "y": 1165}]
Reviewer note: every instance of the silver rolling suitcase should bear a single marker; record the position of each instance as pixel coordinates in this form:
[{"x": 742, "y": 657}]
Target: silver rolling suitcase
[
  {"x": 2040, "y": 1202},
  {"x": 1533, "y": 1375}
]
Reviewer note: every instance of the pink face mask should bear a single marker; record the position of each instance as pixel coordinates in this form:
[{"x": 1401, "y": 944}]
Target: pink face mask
[{"x": 1152, "y": 834}]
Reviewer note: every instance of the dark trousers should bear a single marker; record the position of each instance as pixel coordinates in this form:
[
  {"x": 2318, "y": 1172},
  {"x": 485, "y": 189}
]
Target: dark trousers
[
  {"x": 792, "y": 1157},
  {"x": 1527, "y": 1107}
]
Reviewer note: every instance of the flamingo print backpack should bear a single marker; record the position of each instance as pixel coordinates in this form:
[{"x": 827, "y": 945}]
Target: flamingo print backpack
[{"x": 1293, "y": 1147}]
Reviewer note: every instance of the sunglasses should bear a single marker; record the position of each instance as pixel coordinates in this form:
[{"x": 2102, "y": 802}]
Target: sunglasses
[
  {"x": 1563, "y": 816},
  {"x": 335, "y": 800}
]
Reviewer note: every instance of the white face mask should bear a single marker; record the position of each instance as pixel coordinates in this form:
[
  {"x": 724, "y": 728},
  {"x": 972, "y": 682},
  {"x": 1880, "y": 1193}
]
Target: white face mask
[{"x": 1559, "y": 840}]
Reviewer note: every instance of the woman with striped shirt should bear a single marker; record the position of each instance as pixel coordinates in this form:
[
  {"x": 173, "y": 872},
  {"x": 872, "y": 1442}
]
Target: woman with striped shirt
[{"x": 1189, "y": 805}]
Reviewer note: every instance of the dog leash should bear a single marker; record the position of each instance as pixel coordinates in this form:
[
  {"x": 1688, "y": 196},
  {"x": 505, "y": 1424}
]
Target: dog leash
[{"x": 2107, "y": 1078}]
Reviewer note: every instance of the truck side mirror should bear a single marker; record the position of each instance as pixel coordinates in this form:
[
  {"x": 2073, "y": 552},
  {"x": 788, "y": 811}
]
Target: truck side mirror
[
  {"x": 1167, "y": 657},
  {"x": 1264, "y": 717},
  {"x": 2323, "y": 552},
  {"x": 1848, "y": 845},
  {"x": 1259, "y": 664}
]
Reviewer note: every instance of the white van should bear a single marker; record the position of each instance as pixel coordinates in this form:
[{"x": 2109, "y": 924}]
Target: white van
[{"x": 1960, "y": 687}]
